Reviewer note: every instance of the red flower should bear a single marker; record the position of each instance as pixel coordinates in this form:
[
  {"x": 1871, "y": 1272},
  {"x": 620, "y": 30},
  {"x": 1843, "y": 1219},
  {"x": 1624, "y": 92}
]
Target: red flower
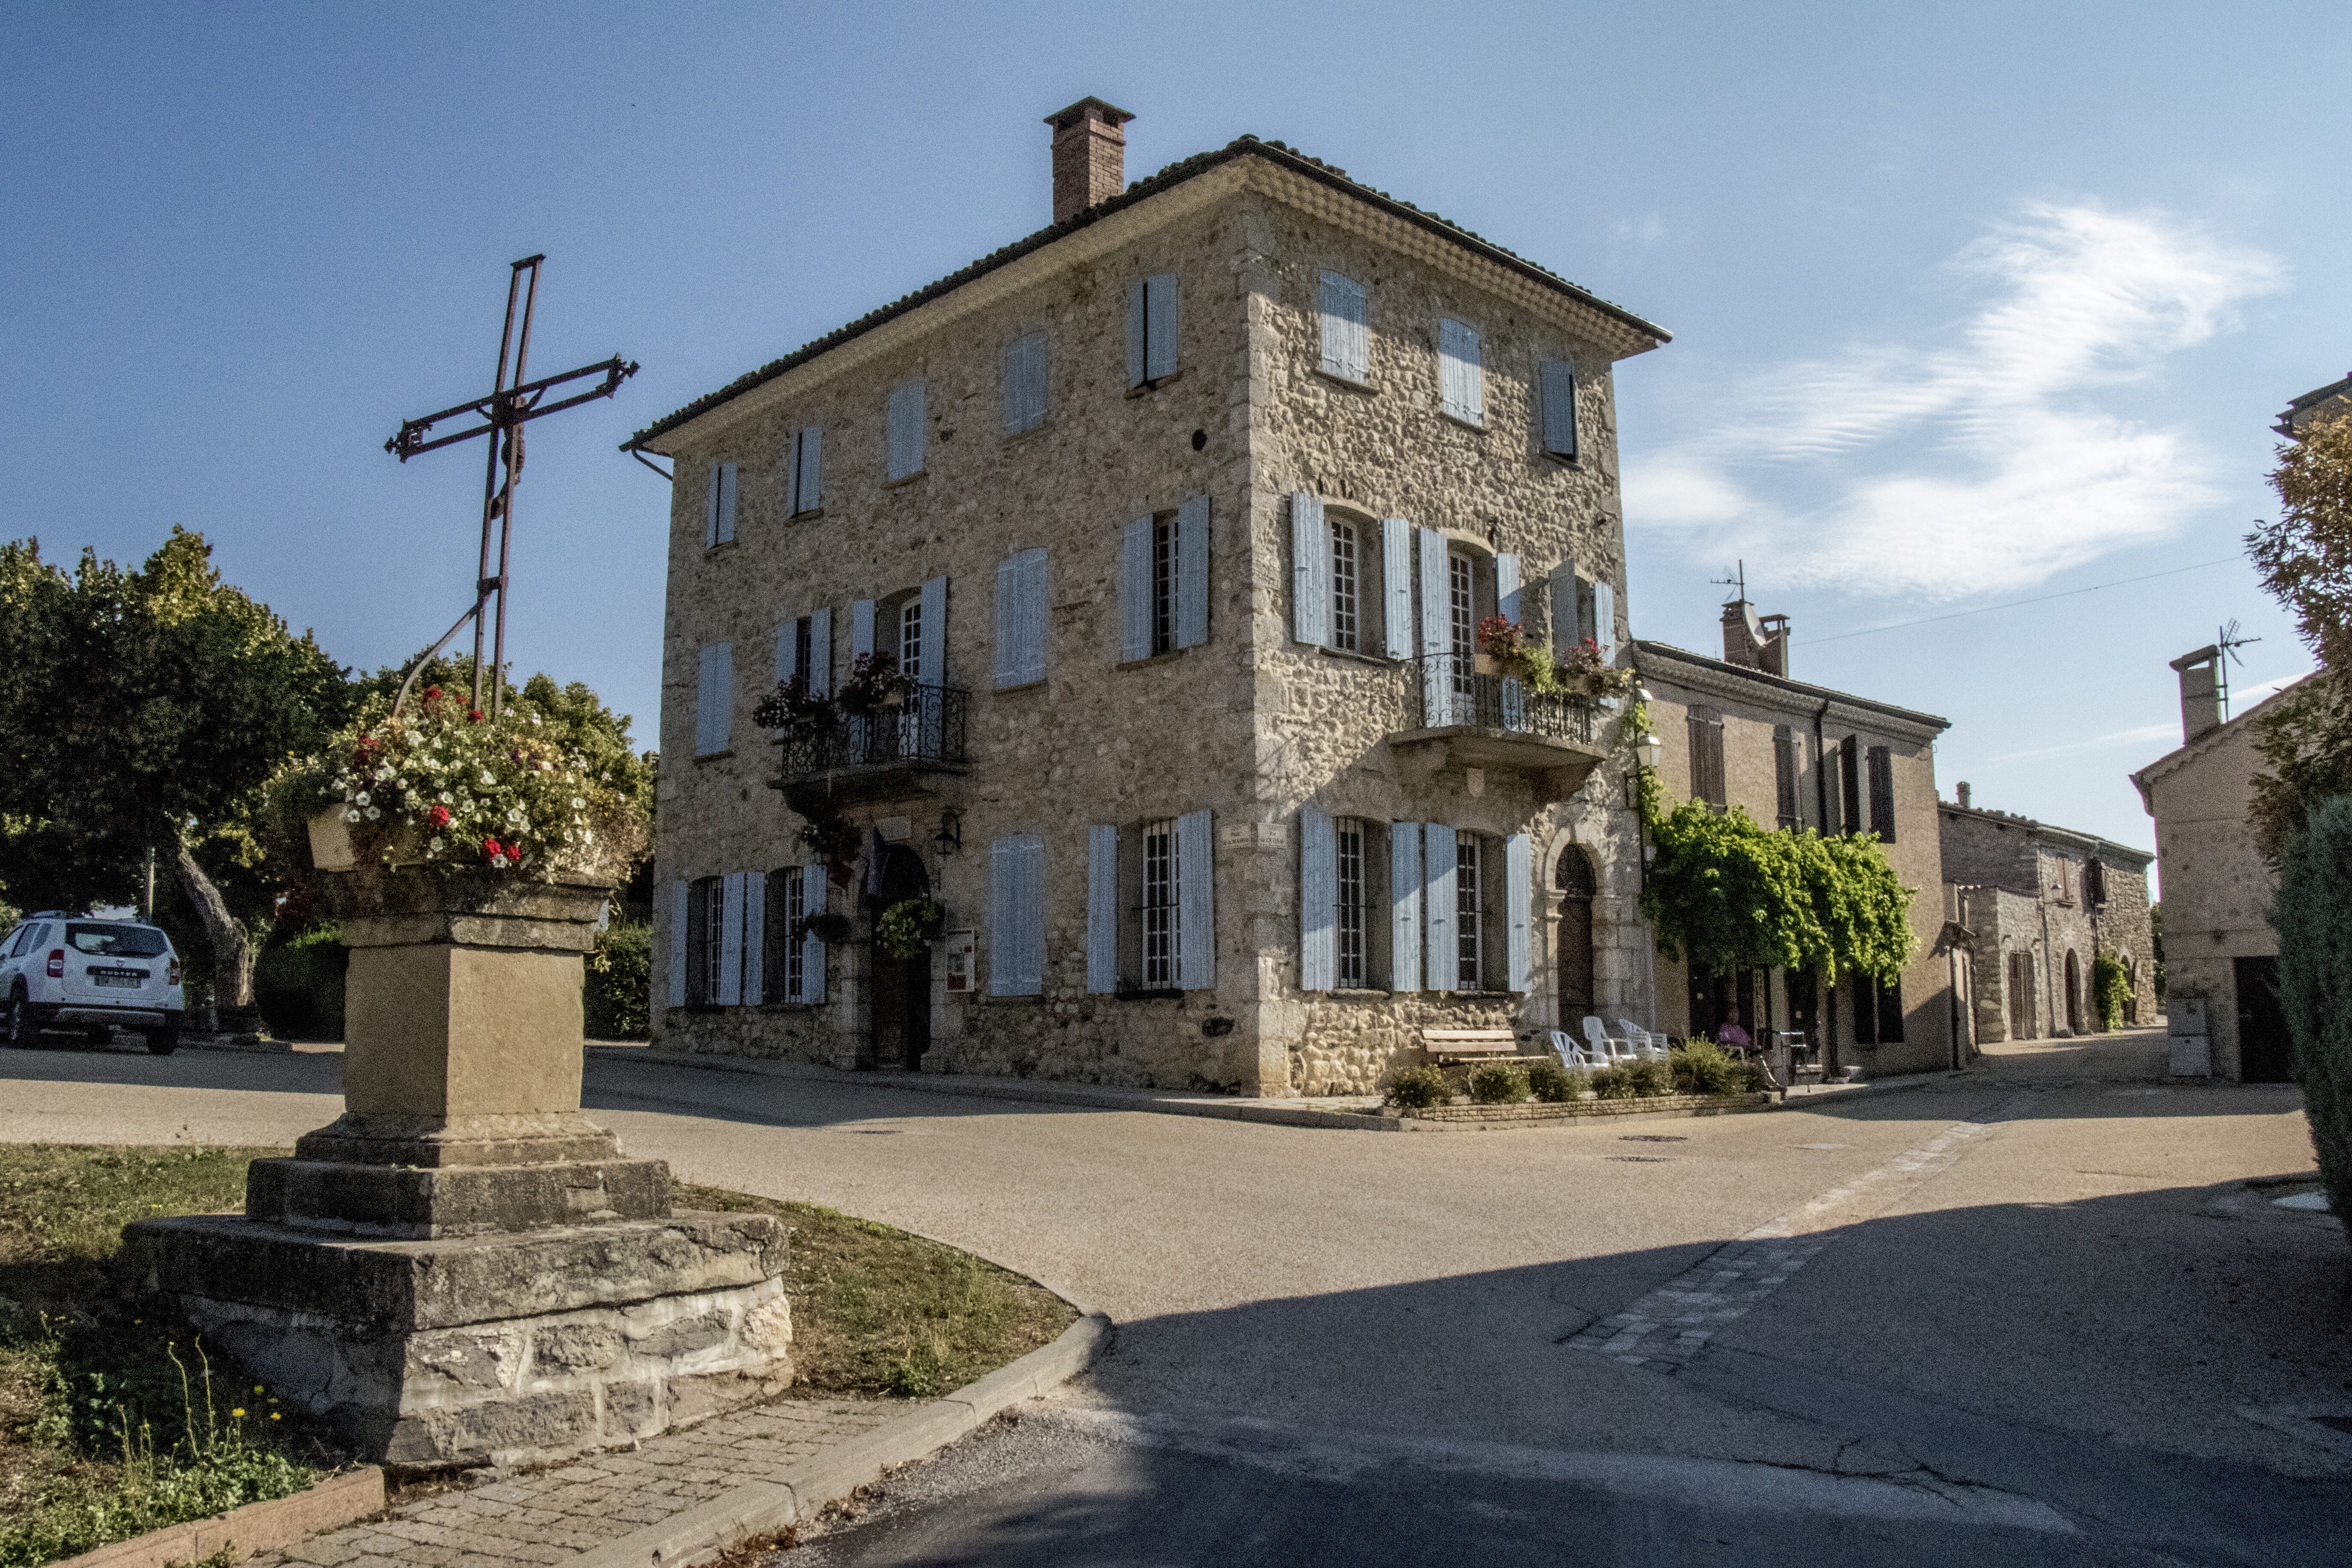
[
  {"x": 432, "y": 694},
  {"x": 473, "y": 715},
  {"x": 440, "y": 817}
]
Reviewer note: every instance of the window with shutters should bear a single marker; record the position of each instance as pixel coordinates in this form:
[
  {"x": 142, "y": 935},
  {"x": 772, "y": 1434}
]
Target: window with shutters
[
  {"x": 1021, "y": 586},
  {"x": 905, "y": 431},
  {"x": 1470, "y": 910},
  {"x": 705, "y": 923},
  {"x": 910, "y": 635},
  {"x": 795, "y": 910},
  {"x": 719, "y": 508},
  {"x": 804, "y": 652},
  {"x": 1016, "y": 957},
  {"x": 1557, "y": 388},
  {"x": 1161, "y": 928},
  {"x": 1705, "y": 731},
  {"x": 1154, "y": 331},
  {"x": 2095, "y": 881},
  {"x": 1024, "y": 384},
  {"x": 805, "y": 472},
  {"x": 1462, "y": 621},
  {"x": 1347, "y": 346},
  {"x": 1344, "y": 618},
  {"x": 1882, "y": 793},
  {"x": 1461, "y": 373},
  {"x": 1164, "y": 585},
  {"x": 714, "y": 694},
  {"x": 1850, "y": 784},
  {"x": 1784, "y": 774},
  {"x": 1348, "y": 839}
]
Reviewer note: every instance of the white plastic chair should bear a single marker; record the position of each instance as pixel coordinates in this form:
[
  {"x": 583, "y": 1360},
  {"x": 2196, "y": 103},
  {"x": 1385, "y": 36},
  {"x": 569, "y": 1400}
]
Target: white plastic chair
[
  {"x": 1605, "y": 1049},
  {"x": 1571, "y": 1055}
]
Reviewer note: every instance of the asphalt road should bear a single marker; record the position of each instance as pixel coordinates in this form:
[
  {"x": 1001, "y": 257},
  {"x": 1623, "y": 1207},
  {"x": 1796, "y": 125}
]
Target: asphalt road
[{"x": 2044, "y": 1300}]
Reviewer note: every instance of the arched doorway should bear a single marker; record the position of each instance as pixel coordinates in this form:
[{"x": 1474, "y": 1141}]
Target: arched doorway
[
  {"x": 1572, "y": 880},
  {"x": 2073, "y": 994},
  {"x": 901, "y": 987}
]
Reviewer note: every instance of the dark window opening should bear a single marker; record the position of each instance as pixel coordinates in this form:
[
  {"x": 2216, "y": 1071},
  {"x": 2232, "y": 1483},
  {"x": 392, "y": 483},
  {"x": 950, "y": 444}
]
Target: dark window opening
[
  {"x": 1707, "y": 757},
  {"x": 1850, "y": 783},
  {"x": 1882, "y": 793},
  {"x": 1163, "y": 586}
]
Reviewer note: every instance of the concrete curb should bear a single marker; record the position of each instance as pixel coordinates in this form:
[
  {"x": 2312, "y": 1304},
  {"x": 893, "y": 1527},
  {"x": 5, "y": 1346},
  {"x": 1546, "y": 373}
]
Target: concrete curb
[
  {"x": 762, "y": 1507},
  {"x": 256, "y": 1527}
]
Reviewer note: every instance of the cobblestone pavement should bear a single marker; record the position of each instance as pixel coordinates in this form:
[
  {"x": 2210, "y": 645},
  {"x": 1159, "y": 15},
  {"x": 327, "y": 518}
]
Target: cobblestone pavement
[{"x": 547, "y": 1515}]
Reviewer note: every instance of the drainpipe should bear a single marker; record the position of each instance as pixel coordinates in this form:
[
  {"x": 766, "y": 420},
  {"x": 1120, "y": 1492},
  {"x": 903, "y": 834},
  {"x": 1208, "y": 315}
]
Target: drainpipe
[{"x": 1824, "y": 998}]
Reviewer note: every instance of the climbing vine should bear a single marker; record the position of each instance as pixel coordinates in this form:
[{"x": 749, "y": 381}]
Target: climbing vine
[
  {"x": 2111, "y": 987},
  {"x": 1726, "y": 893}
]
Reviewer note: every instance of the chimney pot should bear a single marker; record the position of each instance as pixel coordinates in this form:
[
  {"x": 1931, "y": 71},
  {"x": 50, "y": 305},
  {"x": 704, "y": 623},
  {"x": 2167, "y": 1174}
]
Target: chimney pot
[
  {"x": 2201, "y": 692},
  {"x": 1089, "y": 155},
  {"x": 1963, "y": 791}
]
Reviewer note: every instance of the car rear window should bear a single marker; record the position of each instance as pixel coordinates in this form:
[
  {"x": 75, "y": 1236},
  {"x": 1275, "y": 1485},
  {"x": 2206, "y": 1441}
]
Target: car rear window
[{"x": 116, "y": 941}]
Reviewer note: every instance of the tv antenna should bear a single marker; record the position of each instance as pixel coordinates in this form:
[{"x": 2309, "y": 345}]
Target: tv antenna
[
  {"x": 1734, "y": 577},
  {"x": 509, "y": 406},
  {"x": 2227, "y": 641}
]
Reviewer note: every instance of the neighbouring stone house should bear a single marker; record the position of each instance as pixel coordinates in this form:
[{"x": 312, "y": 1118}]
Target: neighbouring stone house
[
  {"x": 2220, "y": 953},
  {"x": 1738, "y": 731},
  {"x": 2333, "y": 401},
  {"x": 2040, "y": 902},
  {"x": 1181, "y": 513}
]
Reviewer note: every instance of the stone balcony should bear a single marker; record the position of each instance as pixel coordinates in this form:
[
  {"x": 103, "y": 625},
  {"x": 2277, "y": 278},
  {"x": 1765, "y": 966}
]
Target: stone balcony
[
  {"x": 1473, "y": 719},
  {"x": 888, "y": 754}
]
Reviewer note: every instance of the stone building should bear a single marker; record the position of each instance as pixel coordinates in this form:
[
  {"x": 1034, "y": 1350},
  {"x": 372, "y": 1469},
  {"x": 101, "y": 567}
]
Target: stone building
[
  {"x": 1182, "y": 514},
  {"x": 1738, "y": 731},
  {"x": 2040, "y": 902},
  {"x": 2333, "y": 401},
  {"x": 2220, "y": 953}
]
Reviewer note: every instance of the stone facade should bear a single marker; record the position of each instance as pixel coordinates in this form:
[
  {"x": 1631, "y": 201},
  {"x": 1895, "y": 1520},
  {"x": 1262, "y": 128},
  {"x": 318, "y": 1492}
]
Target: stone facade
[
  {"x": 1255, "y": 727},
  {"x": 2217, "y": 896},
  {"x": 2024, "y": 887},
  {"x": 1756, "y": 723}
]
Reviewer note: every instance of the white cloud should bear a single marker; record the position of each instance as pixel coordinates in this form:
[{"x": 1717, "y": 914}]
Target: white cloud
[
  {"x": 1981, "y": 462},
  {"x": 2139, "y": 735},
  {"x": 1639, "y": 233}
]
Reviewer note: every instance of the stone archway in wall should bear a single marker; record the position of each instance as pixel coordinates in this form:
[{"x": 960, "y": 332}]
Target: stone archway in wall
[
  {"x": 1576, "y": 986},
  {"x": 899, "y": 989}
]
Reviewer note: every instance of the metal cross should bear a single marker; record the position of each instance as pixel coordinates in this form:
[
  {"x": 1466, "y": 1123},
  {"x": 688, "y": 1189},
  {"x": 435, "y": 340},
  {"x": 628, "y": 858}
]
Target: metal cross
[{"x": 509, "y": 406}]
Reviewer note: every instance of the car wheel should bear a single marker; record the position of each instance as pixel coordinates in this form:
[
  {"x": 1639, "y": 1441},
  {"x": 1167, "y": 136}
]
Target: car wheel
[
  {"x": 163, "y": 1042},
  {"x": 22, "y": 1033}
]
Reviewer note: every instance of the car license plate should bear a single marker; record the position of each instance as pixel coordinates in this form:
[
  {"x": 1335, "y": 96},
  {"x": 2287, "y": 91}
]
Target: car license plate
[{"x": 128, "y": 977}]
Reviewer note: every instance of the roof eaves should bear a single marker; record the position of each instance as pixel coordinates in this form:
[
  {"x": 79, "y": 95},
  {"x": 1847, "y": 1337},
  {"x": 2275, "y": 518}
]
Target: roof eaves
[
  {"x": 1143, "y": 190},
  {"x": 1724, "y": 666}
]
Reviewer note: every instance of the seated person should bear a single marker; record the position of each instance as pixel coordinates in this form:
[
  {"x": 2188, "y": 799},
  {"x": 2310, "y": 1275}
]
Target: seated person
[{"x": 1730, "y": 1034}]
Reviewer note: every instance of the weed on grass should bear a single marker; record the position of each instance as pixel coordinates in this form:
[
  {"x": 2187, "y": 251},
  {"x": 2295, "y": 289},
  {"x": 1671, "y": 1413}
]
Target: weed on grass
[
  {"x": 113, "y": 1419},
  {"x": 878, "y": 1311}
]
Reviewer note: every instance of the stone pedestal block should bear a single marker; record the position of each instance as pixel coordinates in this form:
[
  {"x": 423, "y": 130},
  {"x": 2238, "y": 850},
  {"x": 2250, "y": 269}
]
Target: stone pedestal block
[{"x": 462, "y": 1269}]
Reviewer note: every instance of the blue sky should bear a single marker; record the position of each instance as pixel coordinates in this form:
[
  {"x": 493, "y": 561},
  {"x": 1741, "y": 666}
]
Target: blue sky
[{"x": 1972, "y": 303}]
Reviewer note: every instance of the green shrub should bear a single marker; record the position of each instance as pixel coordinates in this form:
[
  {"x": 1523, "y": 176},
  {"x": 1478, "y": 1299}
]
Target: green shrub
[
  {"x": 1419, "y": 1088},
  {"x": 1499, "y": 1083},
  {"x": 1554, "y": 1085},
  {"x": 618, "y": 998},
  {"x": 1613, "y": 1083},
  {"x": 1651, "y": 1077},
  {"x": 2312, "y": 917},
  {"x": 1700, "y": 1067},
  {"x": 298, "y": 984},
  {"x": 2110, "y": 989}
]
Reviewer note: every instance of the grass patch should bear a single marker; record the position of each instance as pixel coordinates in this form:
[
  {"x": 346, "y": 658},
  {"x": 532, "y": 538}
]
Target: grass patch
[
  {"x": 878, "y": 1311},
  {"x": 112, "y": 1421}
]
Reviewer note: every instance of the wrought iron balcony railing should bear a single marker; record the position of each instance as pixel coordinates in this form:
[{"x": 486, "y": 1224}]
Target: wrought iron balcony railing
[
  {"x": 925, "y": 729},
  {"x": 1454, "y": 693}
]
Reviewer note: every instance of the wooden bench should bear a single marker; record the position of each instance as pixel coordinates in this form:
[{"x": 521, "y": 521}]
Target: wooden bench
[{"x": 1450, "y": 1044}]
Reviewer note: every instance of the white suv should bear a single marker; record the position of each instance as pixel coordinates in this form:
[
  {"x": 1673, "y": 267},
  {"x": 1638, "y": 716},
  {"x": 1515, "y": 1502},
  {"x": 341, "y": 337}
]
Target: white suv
[{"x": 89, "y": 974}]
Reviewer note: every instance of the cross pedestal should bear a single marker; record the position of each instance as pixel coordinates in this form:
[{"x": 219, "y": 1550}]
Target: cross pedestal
[{"x": 462, "y": 1269}]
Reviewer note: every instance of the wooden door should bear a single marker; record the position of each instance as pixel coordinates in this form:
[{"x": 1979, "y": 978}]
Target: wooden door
[
  {"x": 900, "y": 987},
  {"x": 2021, "y": 997},
  {"x": 1573, "y": 881}
]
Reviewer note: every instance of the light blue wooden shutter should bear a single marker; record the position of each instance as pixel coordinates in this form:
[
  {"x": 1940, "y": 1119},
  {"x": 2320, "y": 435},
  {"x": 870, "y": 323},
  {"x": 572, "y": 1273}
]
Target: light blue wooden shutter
[
  {"x": 1034, "y": 584},
  {"x": 1164, "y": 313},
  {"x": 1310, "y": 571},
  {"x": 861, "y": 630},
  {"x": 1196, "y": 924},
  {"x": 1136, "y": 358},
  {"x": 1559, "y": 408},
  {"x": 710, "y": 506},
  {"x": 788, "y": 649},
  {"x": 714, "y": 693},
  {"x": 1016, "y": 938},
  {"x": 1102, "y": 910},
  {"x": 1518, "y": 895},
  {"x": 906, "y": 430},
  {"x": 1024, "y": 384},
  {"x": 730, "y": 937},
  {"x": 1506, "y": 587},
  {"x": 1439, "y": 863},
  {"x": 1396, "y": 581},
  {"x": 1318, "y": 901},
  {"x": 1135, "y": 592},
  {"x": 1192, "y": 572},
  {"x": 934, "y": 652},
  {"x": 680, "y": 893},
  {"x": 1604, "y": 620},
  {"x": 1344, "y": 341},
  {"x": 1033, "y": 913},
  {"x": 1436, "y": 632},
  {"x": 820, "y": 653},
  {"x": 726, "y": 526},
  {"x": 813, "y": 891},
  {"x": 1404, "y": 906},
  {"x": 1460, "y": 388},
  {"x": 1564, "y": 635},
  {"x": 808, "y": 470},
  {"x": 1009, "y": 651},
  {"x": 755, "y": 938}
]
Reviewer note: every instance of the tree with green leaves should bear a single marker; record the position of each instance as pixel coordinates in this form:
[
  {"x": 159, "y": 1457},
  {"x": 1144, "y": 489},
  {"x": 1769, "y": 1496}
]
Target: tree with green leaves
[
  {"x": 2305, "y": 559},
  {"x": 142, "y": 710},
  {"x": 2314, "y": 921}
]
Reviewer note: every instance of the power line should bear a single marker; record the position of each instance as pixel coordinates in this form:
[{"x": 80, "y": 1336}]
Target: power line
[{"x": 2013, "y": 603}]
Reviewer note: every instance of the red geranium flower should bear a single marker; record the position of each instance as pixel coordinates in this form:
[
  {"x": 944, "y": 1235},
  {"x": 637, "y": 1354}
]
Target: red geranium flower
[
  {"x": 473, "y": 715},
  {"x": 432, "y": 694},
  {"x": 440, "y": 817}
]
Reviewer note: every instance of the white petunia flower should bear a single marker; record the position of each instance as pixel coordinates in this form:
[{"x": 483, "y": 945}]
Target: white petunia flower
[
  {"x": 351, "y": 815},
  {"x": 361, "y": 798},
  {"x": 434, "y": 848},
  {"x": 374, "y": 812}
]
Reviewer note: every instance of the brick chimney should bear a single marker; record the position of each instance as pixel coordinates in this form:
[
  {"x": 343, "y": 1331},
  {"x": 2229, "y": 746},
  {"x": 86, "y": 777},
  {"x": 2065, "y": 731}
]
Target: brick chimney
[
  {"x": 1089, "y": 155},
  {"x": 1963, "y": 794},
  {"x": 1755, "y": 642},
  {"x": 2200, "y": 691}
]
